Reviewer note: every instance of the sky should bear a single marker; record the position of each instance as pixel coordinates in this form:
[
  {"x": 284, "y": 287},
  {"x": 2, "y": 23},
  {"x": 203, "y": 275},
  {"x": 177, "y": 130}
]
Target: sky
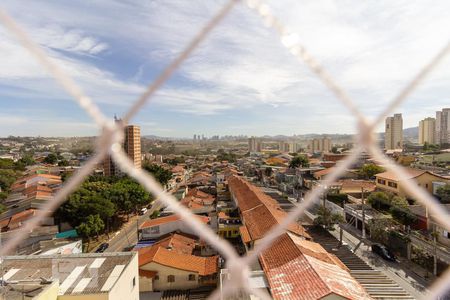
[{"x": 240, "y": 80}]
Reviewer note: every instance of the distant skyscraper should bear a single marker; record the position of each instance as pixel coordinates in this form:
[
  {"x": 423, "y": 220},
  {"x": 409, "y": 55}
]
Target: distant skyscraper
[
  {"x": 393, "y": 135},
  {"x": 442, "y": 128},
  {"x": 254, "y": 145},
  {"x": 131, "y": 146},
  {"x": 427, "y": 131},
  {"x": 195, "y": 138}
]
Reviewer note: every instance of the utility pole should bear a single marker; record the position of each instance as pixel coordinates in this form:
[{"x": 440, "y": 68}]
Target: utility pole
[{"x": 363, "y": 214}]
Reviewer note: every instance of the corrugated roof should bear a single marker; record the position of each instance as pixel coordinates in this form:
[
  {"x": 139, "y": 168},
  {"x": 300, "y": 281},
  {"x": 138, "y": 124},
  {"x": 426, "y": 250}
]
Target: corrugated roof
[{"x": 72, "y": 271}]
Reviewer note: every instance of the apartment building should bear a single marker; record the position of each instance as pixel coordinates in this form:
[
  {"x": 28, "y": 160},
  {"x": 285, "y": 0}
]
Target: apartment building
[
  {"x": 320, "y": 145},
  {"x": 131, "y": 146},
  {"x": 442, "y": 127},
  {"x": 427, "y": 131},
  {"x": 393, "y": 134},
  {"x": 254, "y": 145},
  {"x": 99, "y": 276}
]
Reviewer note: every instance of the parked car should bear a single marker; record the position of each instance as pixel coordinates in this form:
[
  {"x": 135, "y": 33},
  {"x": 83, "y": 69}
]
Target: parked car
[
  {"x": 102, "y": 248},
  {"x": 384, "y": 252},
  {"x": 143, "y": 211}
]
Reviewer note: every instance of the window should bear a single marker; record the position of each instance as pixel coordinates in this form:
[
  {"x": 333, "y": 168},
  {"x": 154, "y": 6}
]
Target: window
[
  {"x": 134, "y": 281},
  {"x": 191, "y": 277},
  {"x": 154, "y": 229},
  {"x": 381, "y": 181},
  {"x": 156, "y": 277},
  {"x": 426, "y": 185},
  {"x": 392, "y": 184},
  {"x": 171, "y": 278}
]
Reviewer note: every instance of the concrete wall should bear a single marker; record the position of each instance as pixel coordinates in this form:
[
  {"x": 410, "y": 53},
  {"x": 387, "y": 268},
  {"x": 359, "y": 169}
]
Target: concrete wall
[
  {"x": 165, "y": 229},
  {"x": 50, "y": 292},
  {"x": 127, "y": 286}
]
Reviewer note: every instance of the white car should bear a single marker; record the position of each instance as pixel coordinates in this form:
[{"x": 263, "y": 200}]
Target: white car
[{"x": 143, "y": 211}]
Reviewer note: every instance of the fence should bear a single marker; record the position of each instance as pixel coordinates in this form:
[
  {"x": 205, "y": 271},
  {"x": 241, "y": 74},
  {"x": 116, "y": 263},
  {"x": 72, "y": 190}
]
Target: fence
[{"x": 112, "y": 135}]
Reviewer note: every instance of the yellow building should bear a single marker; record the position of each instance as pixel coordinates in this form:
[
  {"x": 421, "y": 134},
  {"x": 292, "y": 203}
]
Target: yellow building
[
  {"x": 389, "y": 182},
  {"x": 427, "y": 131},
  {"x": 228, "y": 227}
]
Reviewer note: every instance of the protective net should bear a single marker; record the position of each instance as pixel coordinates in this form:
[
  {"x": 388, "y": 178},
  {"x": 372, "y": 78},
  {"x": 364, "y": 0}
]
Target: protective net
[{"x": 110, "y": 141}]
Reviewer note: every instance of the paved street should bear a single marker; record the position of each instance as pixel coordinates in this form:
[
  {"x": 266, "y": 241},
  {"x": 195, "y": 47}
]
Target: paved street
[{"x": 127, "y": 236}]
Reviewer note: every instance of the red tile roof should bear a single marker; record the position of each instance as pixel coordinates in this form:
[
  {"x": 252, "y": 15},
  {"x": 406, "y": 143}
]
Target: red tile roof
[
  {"x": 17, "y": 219},
  {"x": 299, "y": 269},
  {"x": 259, "y": 211},
  {"x": 168, "y": 219},
  {"x": 175, "y": 251},
  {"x": 245, "y": 236}
]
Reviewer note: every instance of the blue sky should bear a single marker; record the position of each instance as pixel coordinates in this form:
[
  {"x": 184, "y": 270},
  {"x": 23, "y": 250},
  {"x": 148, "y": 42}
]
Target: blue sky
[{"x": 239, "y": 81}]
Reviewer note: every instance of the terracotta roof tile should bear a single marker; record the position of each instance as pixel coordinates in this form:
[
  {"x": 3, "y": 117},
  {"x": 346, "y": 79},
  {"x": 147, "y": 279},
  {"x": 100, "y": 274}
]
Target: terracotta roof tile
[
  {"x": 299, "y": 269},
  {"x": 412, "y": 173},
  {"x": 245, "y": 236},
  {"x": 160, "y": 255},
  {"x": 259, "y": 211}
]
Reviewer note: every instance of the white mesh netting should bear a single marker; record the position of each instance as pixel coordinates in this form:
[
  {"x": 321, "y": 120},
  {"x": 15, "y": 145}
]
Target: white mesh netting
[{"x": 112, "y": 136}]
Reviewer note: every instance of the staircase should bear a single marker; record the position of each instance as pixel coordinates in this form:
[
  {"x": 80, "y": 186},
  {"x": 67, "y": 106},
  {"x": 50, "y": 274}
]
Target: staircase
[{"x": 376, "y": 283}]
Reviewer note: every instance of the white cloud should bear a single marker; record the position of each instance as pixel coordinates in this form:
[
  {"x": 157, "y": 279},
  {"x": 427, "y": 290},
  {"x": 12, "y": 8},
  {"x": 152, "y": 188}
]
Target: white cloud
[{"x": 371, "y": 48}]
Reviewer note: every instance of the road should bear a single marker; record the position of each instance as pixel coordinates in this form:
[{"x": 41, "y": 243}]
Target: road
[{"x": 127, "y": 236}]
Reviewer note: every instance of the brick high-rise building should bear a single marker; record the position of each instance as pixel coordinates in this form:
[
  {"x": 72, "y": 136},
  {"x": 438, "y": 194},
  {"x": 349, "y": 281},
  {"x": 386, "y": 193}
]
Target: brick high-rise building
[
  {"x": 393, "y": 137},
  {"x": 131, "y": 146}
]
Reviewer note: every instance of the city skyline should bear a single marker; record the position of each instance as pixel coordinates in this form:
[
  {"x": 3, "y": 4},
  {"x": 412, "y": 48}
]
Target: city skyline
[{"x": 240, "y": 79}]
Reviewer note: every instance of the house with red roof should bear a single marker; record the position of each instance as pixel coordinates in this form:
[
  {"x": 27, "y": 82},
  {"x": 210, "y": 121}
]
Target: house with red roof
[
  {"x": 303, "y": 270},
  {"x": 199, "y": 202},
  {"x": 172, "y": 264}
]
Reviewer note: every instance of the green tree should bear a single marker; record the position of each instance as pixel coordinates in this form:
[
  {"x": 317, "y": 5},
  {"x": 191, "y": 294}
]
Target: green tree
[
  {"x": 368, "y": 171},
  {"x": 7, "y": 178},
  {"x": 63, "y": 163},
  {"x": 26, "y": 160},
  {"x": 89, "y": 199},
  {"x": 51, "y": 159},
  {"x": 92, "y": 225},
  {"x": 379, "y": 200},
  {"x": 128, "y": 195},
  {"x": 299, "y": 161},
  {"x": 3, "y": 196},
  {"x": 400, "y": 202},
  {"x": 380, "y": 228},
  {"x": 335, "y": 150},
  {"x": 161, "y": 174},
  {"x": 326, "y": 218},
  {"x": 443, "y": 193}
]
